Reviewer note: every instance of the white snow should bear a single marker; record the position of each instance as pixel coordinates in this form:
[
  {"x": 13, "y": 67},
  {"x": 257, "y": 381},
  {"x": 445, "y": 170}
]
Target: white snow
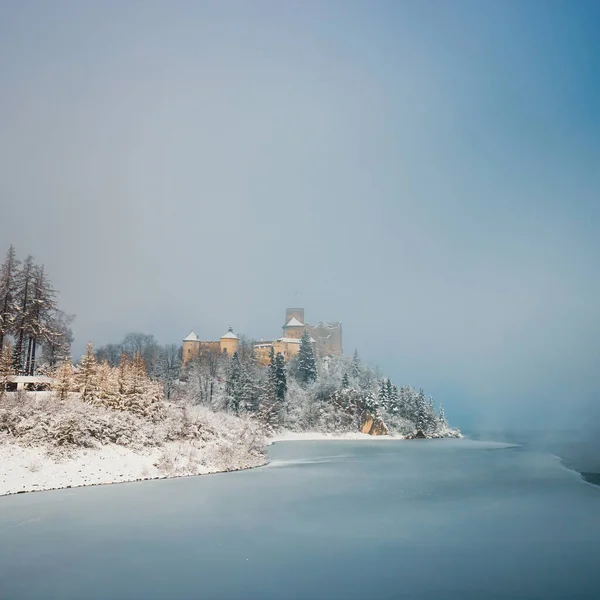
[
  {"x": 230, "y": 336},
  {"x": 293, "y": 322},
  {"x": 306, "y": 436},
  {"x": 31, "y": 469},
  {"x": 191, "y": 337}
]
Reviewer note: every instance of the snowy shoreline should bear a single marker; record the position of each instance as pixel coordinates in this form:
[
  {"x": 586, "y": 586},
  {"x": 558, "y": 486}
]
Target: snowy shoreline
[{"x": 30, "y": 469}]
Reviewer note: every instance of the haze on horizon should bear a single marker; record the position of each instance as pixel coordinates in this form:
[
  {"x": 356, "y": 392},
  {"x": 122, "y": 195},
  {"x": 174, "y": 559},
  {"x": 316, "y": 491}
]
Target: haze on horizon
[{"x": 426, "y": 173}]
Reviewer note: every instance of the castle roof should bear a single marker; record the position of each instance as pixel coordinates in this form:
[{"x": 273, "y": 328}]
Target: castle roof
[
  {"x": 288, "y": 340},
  {"x": 230, "y": 335},
  {"x": 293, "y": 322},
  {"x": 191, "y": 337}
]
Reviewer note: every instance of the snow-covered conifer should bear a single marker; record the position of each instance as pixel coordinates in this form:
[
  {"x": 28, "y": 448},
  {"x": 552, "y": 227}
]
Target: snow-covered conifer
[
  {"x": 6, "y": 367},
  {"x": 23, "y": 296},
  {"x": 442, "y": 416},
  {"x": 356, "y": 365},
  {"x": 345, "y": 382},
  {"x": 86, "y": 379},
  {"x": 63, "y": 380},
  {"x": 8, "y": 272},
  {"x": 279, "y": 376},
  {"x": 307, "y": 366}
]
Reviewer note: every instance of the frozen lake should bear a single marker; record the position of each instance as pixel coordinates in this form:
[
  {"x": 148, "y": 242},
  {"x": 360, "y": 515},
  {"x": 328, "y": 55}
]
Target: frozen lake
[{"x": 326, "y": 520}]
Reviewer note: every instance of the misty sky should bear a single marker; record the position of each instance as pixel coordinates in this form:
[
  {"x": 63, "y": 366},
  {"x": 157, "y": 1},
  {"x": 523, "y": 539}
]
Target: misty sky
[{"x": 428, "y": 173}]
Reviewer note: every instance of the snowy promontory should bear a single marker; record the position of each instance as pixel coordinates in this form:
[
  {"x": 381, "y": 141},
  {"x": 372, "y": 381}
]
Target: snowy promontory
[{"x": 46, "y": 443}]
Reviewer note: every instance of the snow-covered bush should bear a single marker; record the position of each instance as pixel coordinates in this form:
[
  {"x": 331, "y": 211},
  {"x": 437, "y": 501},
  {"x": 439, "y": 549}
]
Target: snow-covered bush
[{"x": 41, "y": 419}]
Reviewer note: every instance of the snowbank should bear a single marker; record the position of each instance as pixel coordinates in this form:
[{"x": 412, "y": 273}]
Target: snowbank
[
  {"x": 48, "y": 444},
  {"x": 25, "y": 469},
  {"x": 292, "y": 436}
]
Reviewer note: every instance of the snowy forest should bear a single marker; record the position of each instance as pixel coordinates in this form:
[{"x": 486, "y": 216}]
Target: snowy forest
[{"x": 330, "y": 395}]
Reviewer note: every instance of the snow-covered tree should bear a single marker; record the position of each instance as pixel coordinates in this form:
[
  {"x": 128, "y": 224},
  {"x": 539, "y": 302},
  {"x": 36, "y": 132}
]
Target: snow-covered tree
[
  {"x": 8, "y": 272},
  {"x": 442, "y": 416},
  {"x": 169, "y": 367},
  {"x": 306, "y": 363},
  {"x": 63, "y": 380},
  {"x": 355, "y": 365},
  {"x": 345, "y": 381},
  {"x": 279, "y": 377},
  {"x": 6, "y": 367},
  {"x": 23, "y": 295},
  {"x": 382, "y": 395},
  {"x": 41, "y": 317},
  {"x": 234, "y": 383},
  {"x": 86, "y": 379},
  {"x": 57, "y": 347}
]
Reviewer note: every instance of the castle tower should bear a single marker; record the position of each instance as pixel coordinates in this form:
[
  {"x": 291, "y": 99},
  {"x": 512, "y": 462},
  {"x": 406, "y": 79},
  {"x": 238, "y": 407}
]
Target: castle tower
[
  {"x": 290, "y": 313},
  {"x": 191, "y": 346},
  {"x": 294, "y": 323},
  {"x": 229, "y": 342}
]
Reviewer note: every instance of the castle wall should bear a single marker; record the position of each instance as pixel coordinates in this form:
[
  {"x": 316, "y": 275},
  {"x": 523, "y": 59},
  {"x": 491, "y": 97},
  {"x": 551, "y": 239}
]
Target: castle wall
[
  {"x": 293, "y": 332},
  {"x": 190, "y": 350},
  {"x": 193, "y": 349},
  {"x": 328, "y": 337},
  {"x": 229, "y": 345}
]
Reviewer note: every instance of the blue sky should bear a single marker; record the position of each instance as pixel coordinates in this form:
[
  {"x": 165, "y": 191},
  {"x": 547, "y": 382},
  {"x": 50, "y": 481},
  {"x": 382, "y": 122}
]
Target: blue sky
[{"x": 426, "y": 172}]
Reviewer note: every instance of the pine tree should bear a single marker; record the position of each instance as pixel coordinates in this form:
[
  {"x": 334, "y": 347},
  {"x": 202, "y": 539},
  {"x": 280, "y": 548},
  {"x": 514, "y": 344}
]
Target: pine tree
[
  {"x": 169, "y": 367},
  {"x": 421, "y": 412},
  {"x": 442, "y": 416},
  {"x": 42, "y": 309},
  {"x": 280, "y": 379},
  {"x": 307, "y": 365},
  {"x": 23, "y": 297},
  {"x": 356, "y": 365},
  {"x": 86, "y": 379},
  {"x": 6, "y": 367},
  {"x": 382, "y": 396},
  {"x": 345, "y": 382},
  {"x": 395, "y": 400},
  {"x": 108, "y": 389},
  {"x": 63, "y": 380},
  {"x": 122, "y": 374},
  {"x": 234, "y": 383},
  {"x": 8, "y": 272}
]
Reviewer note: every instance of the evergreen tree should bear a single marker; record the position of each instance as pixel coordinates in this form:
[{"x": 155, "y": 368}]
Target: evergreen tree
[
  {"x": 279, "y": 377},
  {"x": 86, "y": 379},
  {"x": 345, "y": 382},
  {"x": 307, "y": 365},
  {"x": 23, "y": 299},
  {"x": 421, "y": 412},
  {"x": 234, "y": 383},
  {"x": 442, "y": 416},
  {"x": 40, "y": 319},
  {"x": 6, "y": 367},
  {"x": 8, "y": 272},
  {"x": 382, "y": 396},
  {"x": 356, "y": 365},
  {"x": 63, "y": 380},
  {"x": 389, "y": 391},
  {"x": 169, "y": 367}
]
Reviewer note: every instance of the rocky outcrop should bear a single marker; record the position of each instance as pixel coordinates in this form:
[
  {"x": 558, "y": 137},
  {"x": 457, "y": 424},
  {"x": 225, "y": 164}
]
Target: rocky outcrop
[{"x": 373, "y": 426}]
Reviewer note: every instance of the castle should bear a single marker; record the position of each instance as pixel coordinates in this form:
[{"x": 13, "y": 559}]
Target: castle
[{"x": 326, "y": 339}]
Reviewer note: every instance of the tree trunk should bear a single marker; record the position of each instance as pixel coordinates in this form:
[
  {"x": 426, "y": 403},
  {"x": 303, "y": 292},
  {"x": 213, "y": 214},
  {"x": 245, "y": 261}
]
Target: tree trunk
[{"x": 32, "y": 357}]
